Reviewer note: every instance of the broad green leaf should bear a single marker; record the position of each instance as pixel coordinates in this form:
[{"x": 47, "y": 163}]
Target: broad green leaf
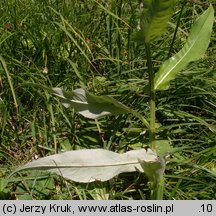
[
  {"x": 163, "y": 148},
  {"x": 89, "y": 105},
  {"x": 155, "y": 170},
  {"x": 194, "y": 49},
  {"x": 154, "y": 18},
  {"x": 89, "y": 165}
]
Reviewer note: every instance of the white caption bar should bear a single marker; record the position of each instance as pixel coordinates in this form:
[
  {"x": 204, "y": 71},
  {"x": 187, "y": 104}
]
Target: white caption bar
[{"x": 107, "y": 207}]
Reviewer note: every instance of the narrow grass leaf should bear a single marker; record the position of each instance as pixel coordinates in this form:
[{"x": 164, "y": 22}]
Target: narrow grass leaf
[
  {"x": 112, "y": 14},
  {"x": 77, "y": 72},
  {"x": 88, "y": 165},
  {"x": 194, "y": 49},
  {"x": 10, "y": 83},
  {"x": 74, "y": 40},
  {"x": 211, "y": 127}
]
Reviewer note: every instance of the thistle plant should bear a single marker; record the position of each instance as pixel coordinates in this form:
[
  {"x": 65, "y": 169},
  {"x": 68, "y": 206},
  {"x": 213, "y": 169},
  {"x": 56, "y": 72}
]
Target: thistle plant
[{"x": 88, "y": 165}]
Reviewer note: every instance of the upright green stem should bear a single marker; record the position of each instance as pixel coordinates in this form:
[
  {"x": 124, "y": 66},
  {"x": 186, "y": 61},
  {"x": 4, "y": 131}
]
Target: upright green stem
[
  {"x": 157, "y": 189},
  {"x": 152, "y": 97},
  {"x": 157, "y": 184}
]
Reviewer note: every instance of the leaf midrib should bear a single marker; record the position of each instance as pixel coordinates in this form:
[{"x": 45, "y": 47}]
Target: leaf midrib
[
  {"x": 85, "y": 166},
  {"x": 167, "y": 74}
]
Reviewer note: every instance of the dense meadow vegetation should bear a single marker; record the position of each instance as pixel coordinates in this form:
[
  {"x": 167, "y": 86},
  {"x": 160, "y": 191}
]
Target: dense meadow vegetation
[{"x": 91, "y": 44}]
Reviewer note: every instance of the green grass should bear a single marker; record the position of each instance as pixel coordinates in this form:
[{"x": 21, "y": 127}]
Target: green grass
[{"x": 91, "y": 44}]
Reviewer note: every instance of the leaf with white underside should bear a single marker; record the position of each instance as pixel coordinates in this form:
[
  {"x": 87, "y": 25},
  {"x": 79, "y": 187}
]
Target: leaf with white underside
[
  {"x": 89, "y": 105},
  {"x": 88, "y": 165},
  {"x": 194, "y": 49}
]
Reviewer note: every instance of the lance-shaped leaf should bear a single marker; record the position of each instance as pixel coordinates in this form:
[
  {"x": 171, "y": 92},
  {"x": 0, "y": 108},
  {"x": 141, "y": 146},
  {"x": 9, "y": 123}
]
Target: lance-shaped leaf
[
  {"x": 92, "y": 106},
  {"x": 194, "y": 49},
  {"x": 89, "y": 165},
  {"x": 154, "y": 18},
  {"x": 89, "y": 105}
]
